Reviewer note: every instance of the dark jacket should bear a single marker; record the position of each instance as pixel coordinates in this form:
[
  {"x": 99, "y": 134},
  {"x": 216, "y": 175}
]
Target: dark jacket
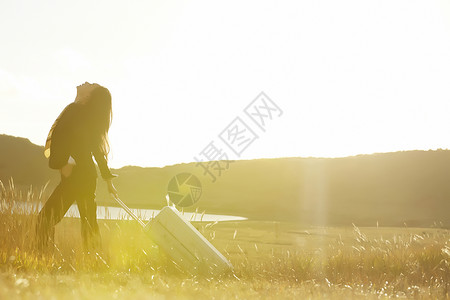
[{"x": 70, "y": 136}]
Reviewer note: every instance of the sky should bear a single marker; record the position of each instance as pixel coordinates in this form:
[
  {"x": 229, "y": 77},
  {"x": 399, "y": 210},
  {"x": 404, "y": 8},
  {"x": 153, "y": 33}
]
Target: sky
[{"x": 342, "y": 77}]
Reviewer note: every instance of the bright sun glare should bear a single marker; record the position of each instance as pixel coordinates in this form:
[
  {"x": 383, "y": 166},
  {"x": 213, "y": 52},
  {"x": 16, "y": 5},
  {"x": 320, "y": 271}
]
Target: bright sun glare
[{"x": 351, "y": 76}]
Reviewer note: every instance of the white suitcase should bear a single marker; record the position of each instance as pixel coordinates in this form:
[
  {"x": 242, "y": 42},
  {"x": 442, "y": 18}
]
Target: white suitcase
[{"x": 184, "y": 244}]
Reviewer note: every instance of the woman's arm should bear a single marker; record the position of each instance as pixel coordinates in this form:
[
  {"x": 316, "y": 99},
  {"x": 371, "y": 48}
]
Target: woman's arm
[
  {"x": 105, "y": 171},
  {"x": 103, "y": 165}
]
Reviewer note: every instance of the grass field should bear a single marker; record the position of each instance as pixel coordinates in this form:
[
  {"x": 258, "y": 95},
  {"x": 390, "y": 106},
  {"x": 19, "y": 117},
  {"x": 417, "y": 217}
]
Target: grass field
[{"x": 272, "y": 260}]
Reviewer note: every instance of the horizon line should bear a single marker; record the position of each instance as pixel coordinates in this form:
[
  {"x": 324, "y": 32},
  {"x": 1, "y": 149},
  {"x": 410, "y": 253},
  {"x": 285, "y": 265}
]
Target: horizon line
[{"x": 260, "y": 158}]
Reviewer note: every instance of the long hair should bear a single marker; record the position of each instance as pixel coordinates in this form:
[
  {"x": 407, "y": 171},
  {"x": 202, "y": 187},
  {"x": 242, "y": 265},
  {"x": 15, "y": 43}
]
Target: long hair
[{"x": 98, "y": 110}]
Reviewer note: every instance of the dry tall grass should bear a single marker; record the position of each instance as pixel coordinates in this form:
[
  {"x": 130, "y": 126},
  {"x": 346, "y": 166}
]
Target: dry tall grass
[{"x": 269, "y": 261}]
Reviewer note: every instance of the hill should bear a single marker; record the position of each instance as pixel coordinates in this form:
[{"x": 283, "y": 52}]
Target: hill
[
  {"x": 24, "y": 162},
  {"x": 393, "y": 189}
]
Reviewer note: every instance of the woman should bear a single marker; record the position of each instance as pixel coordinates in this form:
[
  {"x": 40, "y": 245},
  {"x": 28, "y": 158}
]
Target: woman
[{"x": 79, "y": 132}]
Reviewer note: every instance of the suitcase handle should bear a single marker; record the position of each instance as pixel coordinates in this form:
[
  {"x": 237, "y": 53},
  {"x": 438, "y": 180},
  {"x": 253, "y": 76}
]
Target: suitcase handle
[{"x": 128, "y": 210}]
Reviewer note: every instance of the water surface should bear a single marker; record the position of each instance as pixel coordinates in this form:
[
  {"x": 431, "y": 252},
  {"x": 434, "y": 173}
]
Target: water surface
[{"x": 117, "y": 213}]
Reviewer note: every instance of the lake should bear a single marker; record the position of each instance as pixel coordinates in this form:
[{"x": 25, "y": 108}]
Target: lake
[{"x": 117, "y": 213}]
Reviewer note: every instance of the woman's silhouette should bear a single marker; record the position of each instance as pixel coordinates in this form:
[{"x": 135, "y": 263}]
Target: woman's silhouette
[{"x": 80, "y": 131}]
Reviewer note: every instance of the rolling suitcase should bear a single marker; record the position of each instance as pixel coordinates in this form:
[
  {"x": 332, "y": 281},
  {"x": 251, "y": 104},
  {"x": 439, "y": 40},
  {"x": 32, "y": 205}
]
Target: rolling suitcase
[{"x": 184, "y": 244}]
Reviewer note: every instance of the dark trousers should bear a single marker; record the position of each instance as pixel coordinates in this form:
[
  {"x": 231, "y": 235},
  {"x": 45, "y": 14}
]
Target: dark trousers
[{"x": 77, "y": 188}]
